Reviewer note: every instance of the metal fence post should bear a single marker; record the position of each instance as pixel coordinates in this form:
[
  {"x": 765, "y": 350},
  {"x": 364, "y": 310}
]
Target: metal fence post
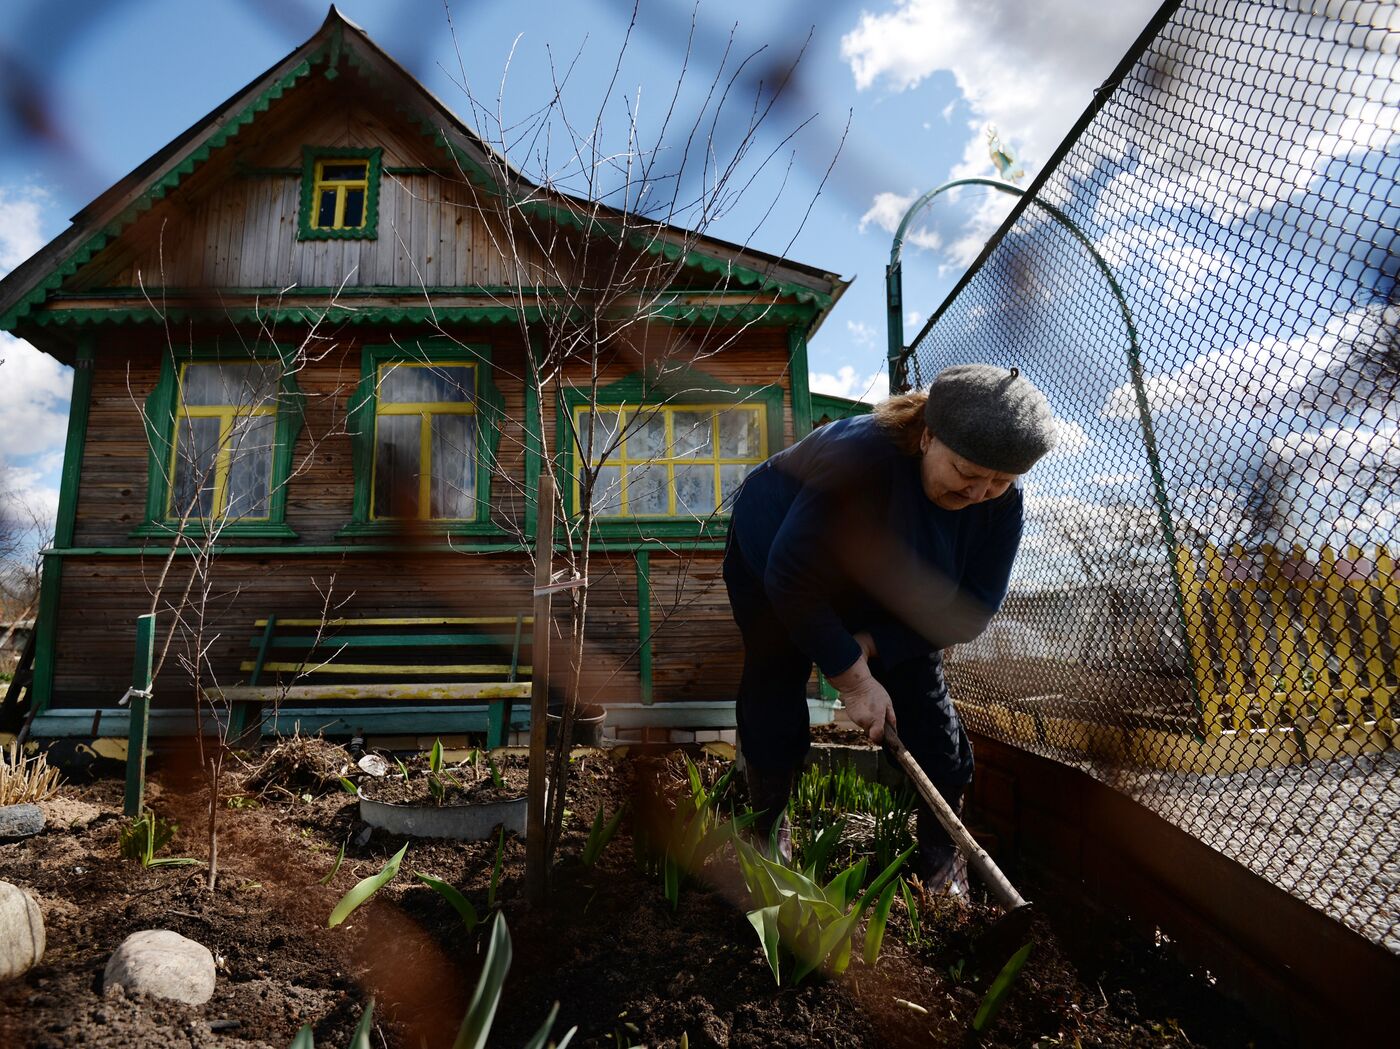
[{"x": 139, "y": 724}]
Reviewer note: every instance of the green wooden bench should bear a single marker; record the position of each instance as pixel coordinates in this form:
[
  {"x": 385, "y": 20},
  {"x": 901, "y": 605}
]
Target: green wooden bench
[{"x": 314, "y": 661}]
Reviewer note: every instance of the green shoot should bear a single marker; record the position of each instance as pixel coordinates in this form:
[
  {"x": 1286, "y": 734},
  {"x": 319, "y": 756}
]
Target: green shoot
[
  {"x": 911, "y": 907},
  {"x": 435, "y": 757},
  {"x": 497, "y": 780},
  {"x": 481, "y": 1013},
  {"x": 796, "y": 917},
  {"x": 600, "y": 835},
  {"x": 459, "y": 902},
  {"x": 336, "y": 869},
  {"x": 347, "y": 786},
  {"x": 875, "y": 932},
  {"x": 146, "y": 835},
  {"x": 496, "y": 871},
  {"x": 366, "y": 888},
  {"x": 697, "y": 832},
  {"x": 996, "y": 994},
  {"x": 403, "y": 769}
]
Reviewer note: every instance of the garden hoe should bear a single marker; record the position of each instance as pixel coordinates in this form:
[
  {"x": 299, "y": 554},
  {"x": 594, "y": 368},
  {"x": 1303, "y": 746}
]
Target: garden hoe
[{"x": 1012, "y": 929}]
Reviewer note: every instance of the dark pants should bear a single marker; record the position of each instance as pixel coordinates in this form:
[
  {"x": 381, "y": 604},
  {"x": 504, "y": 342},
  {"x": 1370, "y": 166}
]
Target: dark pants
[{"x": 772, "y": 701}]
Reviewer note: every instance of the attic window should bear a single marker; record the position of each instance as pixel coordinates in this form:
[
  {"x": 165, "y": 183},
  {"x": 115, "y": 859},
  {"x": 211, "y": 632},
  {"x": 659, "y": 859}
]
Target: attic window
[{"x": 339, "y": 194}]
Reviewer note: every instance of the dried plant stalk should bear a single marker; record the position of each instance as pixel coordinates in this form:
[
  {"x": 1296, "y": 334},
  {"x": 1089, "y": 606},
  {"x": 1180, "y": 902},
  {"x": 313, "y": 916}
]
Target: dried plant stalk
[{"x": 25, "y": 778}]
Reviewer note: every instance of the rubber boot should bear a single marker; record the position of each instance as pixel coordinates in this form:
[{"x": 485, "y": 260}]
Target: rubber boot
[
  {"x": 769, "y": 794},
  {"x": 940, "y": 865}
]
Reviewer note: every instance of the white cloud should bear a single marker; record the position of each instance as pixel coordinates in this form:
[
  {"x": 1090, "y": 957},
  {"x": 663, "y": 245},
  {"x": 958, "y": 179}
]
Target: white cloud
[
  {"x": 1030, "y": 69},
  {"x": 847, "y": 382},
  {"x": 1165, "y": 261},
  {"x": 21, "y": 225},
  {"x": 887, "y": 211},
  {"x": 913, "y": 318},
  {"x": 862, "y": 334},
  {"x": 1256, "y": 380},
  {"x": 34, "y": 394},
  {"x": 1071, "y": 440}
]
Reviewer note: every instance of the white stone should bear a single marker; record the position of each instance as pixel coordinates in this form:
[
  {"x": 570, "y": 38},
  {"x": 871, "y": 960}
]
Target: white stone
[
  {"x": 729, "y": 735},
  {"x": 21, "y": 931},
  {"x": 707, "y": 735},
  {"x": 162, "y": 964},
  {"x": 679, "y": 735}
]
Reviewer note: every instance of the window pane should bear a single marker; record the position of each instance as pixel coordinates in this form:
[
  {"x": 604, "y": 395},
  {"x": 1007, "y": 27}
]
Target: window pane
[
  {"x": 454, "y": 467},
  {"x": 354, "y": 216},
  {"x": 646, "y": 489},
  {"x": 345, "y": 171},
  {"x": 647, "y": 439},
  {"x": 249, "y": 482},
  {"x": 739, "y": 434},
  {"x": 604, "y": 433},
  {"x": 396, "y": 465},
  {"x": 607, "y": 492},
  {"x": 196, "y": 447},
  {"x": 695, "y": 490},
  {"x": 239, "y": 385},
  {"x": 325, "y": 212},
  {"x": 730, "y": 478},
  {"x": 690, "y": 432},
  {"x": 427, "y": 384}
]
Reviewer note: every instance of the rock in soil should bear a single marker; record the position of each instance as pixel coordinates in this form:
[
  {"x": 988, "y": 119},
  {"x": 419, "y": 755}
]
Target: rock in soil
[
  {"x": 22, "y": 938},
  {"x": 162, "y": 964},
  {"x": 20, "y": 821},
  {"x": 69, "y": 813}
]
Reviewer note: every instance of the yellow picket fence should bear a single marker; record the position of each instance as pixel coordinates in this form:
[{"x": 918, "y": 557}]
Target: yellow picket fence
[{"x": 1280, "y": 639}]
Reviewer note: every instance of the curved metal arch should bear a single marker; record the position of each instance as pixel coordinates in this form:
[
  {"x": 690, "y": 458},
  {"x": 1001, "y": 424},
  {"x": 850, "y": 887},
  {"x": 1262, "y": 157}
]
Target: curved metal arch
[{"x": 898, "y": 356}]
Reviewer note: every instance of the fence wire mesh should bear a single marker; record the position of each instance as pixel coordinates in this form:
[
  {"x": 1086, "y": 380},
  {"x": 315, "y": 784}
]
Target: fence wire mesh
[{"x": 1204, "y": 612}]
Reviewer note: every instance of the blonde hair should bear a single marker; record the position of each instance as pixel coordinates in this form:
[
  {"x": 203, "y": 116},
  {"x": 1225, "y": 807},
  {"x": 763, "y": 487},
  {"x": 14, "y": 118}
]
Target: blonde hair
[{"x": 902, "y": 417}]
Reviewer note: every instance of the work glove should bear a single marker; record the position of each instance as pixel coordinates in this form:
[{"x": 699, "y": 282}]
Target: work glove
[{"x": 865, "y": 699}]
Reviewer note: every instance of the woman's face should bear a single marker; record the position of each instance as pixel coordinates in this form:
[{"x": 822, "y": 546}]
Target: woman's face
[{"x": 955, "y": 483}]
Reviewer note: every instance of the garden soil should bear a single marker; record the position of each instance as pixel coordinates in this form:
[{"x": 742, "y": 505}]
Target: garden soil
[{"x": 626, "y": 968}]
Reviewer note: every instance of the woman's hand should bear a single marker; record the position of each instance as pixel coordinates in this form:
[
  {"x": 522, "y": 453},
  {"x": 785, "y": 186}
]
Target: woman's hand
[
  {"x": 867, "y": 644},
  {"x": 865, "y": 699}
]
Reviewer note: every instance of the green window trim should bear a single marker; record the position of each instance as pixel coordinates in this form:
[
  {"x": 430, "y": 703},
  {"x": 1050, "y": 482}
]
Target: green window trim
[
  {"x": 360, "y": 421},
  {"x": 306, "y": 230},
  {"x": 161, "y": 418},
  {"x": 641, "y": 391}
]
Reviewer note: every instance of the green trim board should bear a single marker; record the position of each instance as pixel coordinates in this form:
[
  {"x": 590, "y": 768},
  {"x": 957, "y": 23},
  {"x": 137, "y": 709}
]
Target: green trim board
[
  {"x": 160, "y": 415},
  {"x": 339, "y": 549},
  {"x": 692, "y": 313},
  {"x": 78, "y": 407},
  {"x": 360, "y": 421},
  {"x": 800, "y": 381},
  {"x": 309, "y": 156},
  {"x": 639, "y": 390},
  {"x": 833, "y": 407}
]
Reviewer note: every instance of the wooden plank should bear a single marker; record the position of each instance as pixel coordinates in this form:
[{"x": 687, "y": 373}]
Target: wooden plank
[
  {"x": 1253, "y": 609},
  {"x": 1290, "y": 668},
  {"x": 385, "y": 669},
  {"x": 1321, "y": 707},
  {"x": 1388, "y": 588},
  {"x": 1233, "y": 674},
  {"x": 346, "y": 692},
  {"x": 1369, "y": 660},
  {"x": 332, "y": 644},
  {"x": 1198, "y": 637},
  {"x": 1334, "y": 591},
  {"x": 420, "y": 621}
]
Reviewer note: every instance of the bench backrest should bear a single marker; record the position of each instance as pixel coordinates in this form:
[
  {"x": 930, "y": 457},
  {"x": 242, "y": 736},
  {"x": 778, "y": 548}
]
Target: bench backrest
[{"x": 424, "y": 648}]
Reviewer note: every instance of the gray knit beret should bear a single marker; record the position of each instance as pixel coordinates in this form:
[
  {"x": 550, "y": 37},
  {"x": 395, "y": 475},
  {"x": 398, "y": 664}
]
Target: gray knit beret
[{"x": 991, "y": 416}]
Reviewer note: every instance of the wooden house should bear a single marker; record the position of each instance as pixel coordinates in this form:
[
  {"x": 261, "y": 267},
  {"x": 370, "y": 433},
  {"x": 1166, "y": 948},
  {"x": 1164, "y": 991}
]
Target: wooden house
[{"x": 334, "y": 207}]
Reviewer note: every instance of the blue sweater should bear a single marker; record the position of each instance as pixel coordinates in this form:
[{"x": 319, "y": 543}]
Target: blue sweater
[{"x": 840, "y": 532}]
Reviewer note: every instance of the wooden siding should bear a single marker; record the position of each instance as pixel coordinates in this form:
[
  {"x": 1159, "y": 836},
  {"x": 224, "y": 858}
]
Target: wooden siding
[
  {"x": 234, "y": 223},
  {"x": 697, "y": 646}
]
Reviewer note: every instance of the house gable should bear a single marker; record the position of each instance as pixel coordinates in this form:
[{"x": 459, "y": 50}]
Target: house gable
[{"x": 341, "y": 87}]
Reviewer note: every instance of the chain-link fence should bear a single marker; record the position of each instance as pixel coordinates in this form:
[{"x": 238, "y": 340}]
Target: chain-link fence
[{"x": 1205, "y": 612}]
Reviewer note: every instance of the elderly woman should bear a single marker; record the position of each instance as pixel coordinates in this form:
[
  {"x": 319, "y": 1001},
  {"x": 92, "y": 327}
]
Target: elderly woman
[{"x": 866, "y": 548}]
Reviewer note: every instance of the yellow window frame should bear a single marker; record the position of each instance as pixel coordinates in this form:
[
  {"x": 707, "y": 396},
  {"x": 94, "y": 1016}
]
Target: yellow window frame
[
  {"x": 619, "y": 458},
  {"x": 227, "y": 414},
  {"x": 425, "y": 410},
  {"x": 342, "y": 187}
]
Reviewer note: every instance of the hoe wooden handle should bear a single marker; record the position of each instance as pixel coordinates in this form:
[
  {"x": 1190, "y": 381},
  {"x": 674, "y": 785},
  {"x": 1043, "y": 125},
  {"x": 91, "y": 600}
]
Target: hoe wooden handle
[{"x": 977, "y": 857}]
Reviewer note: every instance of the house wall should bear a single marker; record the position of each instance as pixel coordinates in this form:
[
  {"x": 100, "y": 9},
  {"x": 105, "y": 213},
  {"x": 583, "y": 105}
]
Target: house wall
[{"x": 110, "y": 577}]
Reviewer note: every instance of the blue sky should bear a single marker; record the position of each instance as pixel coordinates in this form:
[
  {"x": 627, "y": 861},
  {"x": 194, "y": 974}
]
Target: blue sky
[{"x": 919, "y": 79}]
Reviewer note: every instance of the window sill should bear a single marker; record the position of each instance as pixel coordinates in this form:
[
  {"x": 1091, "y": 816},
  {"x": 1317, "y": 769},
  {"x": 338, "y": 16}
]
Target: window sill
[
  {"x": 662, "y": 528},
  {"x": 412, "y": 529},
  {"x": 197, "y": 530},
  {"x": 338, "y": 234}
]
